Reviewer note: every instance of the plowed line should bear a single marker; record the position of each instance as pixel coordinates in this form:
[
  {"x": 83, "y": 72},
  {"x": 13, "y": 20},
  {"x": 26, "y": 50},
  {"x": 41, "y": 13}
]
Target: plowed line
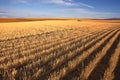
[
  {"x": 117, "y": 69},
  {"x": 58, "y": 69},
  {"x": 30, "y": 37},
  {"x": 52, "y": 57},
  {"x": 45, "y": 52},
  {"x": 31, "y": 50},
  {"x": 87, "y": 53},
  {"x": 31, "y": 55},
  {"x": 69, "y": 48},
  {"x": 37, "y": 49},
  {"x": 93, "y": 64},
  {"x": 109, "y": 74},
  {"x": 73, "y": 75},
  {"x": 33, "y": 42},
  {"x": 34, "y": 45}
]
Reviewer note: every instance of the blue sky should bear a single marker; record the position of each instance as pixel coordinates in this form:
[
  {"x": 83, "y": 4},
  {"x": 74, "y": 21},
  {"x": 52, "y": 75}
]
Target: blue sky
[{"x": 60, "y": 8}]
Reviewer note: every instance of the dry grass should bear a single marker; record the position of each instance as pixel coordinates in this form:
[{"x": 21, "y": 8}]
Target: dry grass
[
  {"x": 109, "y": 73},
  {"x": 15, "y": 29},
  {"x": 64, "y": 49},
  {"x": 85, "y": 74}
]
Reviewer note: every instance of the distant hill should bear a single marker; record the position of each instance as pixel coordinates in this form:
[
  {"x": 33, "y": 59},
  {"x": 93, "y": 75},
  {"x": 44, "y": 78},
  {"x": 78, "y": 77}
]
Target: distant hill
[{"x": 113, "y": 19}]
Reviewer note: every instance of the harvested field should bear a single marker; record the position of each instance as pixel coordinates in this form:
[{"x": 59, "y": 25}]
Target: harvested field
[{"x": 60, "y": 50}]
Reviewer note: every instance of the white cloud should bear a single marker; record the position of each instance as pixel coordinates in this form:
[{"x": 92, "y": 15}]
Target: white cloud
[
  {"x": 57, "y": 2},
  {"x": 61, "y": 2},
  {"x": 86, "y": 5},
  {"x": 68, "y": 3}
]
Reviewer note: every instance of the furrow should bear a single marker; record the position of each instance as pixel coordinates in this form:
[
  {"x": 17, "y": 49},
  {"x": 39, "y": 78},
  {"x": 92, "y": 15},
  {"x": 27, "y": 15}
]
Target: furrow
[
  {"x": 27, "y": 46},
  {"x": 74, "y": 74},
  {"x": 52, "y": 56},
  {"x": 117, "y": 70},
  {"x": 34, "y": 54},
  {"x": 65, "y": 64},
  {"x": 109, "y": 73},
  {"x": 33, "y": 49},
  {"x": 95, "y": 68}
]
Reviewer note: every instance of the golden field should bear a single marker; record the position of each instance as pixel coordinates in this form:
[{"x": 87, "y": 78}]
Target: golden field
[{"x": 59, "y": 49}]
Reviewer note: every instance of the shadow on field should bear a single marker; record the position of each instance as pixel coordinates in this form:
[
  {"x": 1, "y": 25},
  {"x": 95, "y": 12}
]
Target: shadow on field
[
  {"x": 99, "y": 70},
  {"x": 117, "y": 69}
]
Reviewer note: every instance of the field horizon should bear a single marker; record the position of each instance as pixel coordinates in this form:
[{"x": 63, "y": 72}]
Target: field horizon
[{"x": 42, "y": 19}]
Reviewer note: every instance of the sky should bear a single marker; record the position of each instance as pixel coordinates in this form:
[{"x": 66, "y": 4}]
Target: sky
[{"x": 59, "y": 8}]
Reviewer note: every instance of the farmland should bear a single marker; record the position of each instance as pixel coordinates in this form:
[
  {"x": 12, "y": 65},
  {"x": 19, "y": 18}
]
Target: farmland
[{"x": 60, "y": 50}]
